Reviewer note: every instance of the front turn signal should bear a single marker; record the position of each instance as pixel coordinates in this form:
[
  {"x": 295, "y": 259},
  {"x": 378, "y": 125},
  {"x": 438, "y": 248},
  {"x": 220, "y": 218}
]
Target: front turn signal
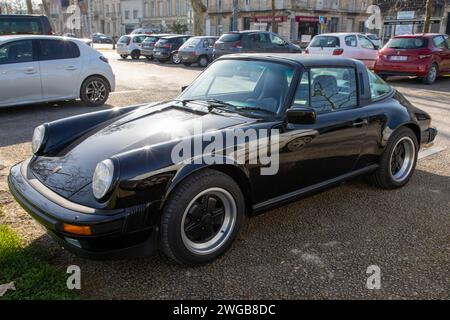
[{"x": 80, "y": 230}]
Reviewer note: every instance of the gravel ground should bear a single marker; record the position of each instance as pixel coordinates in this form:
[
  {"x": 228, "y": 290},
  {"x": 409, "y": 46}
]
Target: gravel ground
[{"x": 317, "y": 248}]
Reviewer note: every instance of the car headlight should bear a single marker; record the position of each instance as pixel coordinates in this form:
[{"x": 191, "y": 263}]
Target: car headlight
[
  {"x": 103, "y": 178},
  {"x": 38, "y": 139}
]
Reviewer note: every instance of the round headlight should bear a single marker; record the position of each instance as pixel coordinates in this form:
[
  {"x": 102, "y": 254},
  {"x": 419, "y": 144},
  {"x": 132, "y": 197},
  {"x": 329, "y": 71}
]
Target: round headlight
[
  {"x": 103, "y": 178},
  {"x": 38, "y": 138}
]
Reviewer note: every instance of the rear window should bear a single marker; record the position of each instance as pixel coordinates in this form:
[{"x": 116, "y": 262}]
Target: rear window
[
  {"x": 192, "y": 43},
  {"x": 325, "y": 42},
  {"x": 407, "y": 43},
  {"x": 124, "y": 39},
  {"x": 20, "y": 26},
  {"x": 150, "y": 39},
  {"x": 230, "y": 37}
]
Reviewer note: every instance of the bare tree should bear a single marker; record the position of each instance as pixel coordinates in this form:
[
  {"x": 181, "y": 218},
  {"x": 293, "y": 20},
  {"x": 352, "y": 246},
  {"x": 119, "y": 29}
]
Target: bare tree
[
  {"x": 428, "y": 9},
  {"x": 199, "y": 15},
  {"x": 274, "y": 24},
  {"x": 29, "y": 6}
]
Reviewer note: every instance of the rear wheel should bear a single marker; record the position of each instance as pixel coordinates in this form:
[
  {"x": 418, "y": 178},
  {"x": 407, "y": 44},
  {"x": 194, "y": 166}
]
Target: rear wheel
[
  {"x": 398, "y": 161},
  {"x": 135, "y": 54},
  {"x": 201, "y": 218},
  {"x": 432, "y": 74},
  {"x": 203, "y": 61},
  {"x": 94, "y": 91},
  {"x": 124, "y": 56}
]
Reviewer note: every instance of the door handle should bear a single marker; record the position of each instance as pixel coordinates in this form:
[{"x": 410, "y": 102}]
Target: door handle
[
  {"x": 29, "y": 70},
  {"x": 71, "y": 68},
  {"x": 360, "y": 123}
]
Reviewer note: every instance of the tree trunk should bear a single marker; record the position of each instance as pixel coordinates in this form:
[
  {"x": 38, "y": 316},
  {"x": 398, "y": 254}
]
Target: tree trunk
[
  {"x": 429, "y": 8},
  {"x": 29, "y": 6},
  {"x": 199, "y": 17},
  {"x": 274, "y": 23}
]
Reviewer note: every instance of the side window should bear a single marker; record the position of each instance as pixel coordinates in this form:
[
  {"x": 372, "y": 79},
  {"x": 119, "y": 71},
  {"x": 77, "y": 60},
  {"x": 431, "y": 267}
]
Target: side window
[
  {"x": 16, "y": 52},
  {"x": 333, "y": 89},
  {"x": 439, "y": 42},
  {"x": 378, "y": 88},
  {"x": 263, "y": 38},
  {"x": 447, "y": 39},
  {"x": 366, "y": 43},
  {"x": 350, "y": 41},
  {"x": 301, "y": 98},
  {"x": 57, "y": 49},
  {"x": 205, "y": 43},
  {"x": 276, "y": 40}
]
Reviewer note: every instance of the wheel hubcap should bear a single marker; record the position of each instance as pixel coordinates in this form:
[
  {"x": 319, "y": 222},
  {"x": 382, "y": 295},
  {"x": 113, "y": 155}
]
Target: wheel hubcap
[
  {"x": 208, "y": 221},
  {"x": 96, "y": 91},
  {"x": 176, "y": 58},
  {"x": 402, "y": 159},
  {"x": 433, "y": 74}
]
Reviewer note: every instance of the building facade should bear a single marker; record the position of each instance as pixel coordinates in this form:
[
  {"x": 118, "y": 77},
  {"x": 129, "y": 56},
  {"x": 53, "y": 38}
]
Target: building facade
[
  {"x": 106, "y": 17},
  {"x": 297, "y": 20},
  {"x": 161, "y": 15}
]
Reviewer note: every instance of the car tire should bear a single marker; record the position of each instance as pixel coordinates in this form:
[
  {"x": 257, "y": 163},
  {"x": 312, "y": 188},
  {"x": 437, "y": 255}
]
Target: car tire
[
  {"x": 432, "y": 74},
  {"x": 398, "y": 160},
  {"x": 149, "y": 58},
  {"x": 188, "y": 216},
  {"x": 187, "y": 64},
  {"x": 135, "y": 54},
  {"x": 175, "y": 58},
  {"x": 94, "y": 91},
  {"x": 203, "y": 61},
  {"x": 124, "y": 56}
]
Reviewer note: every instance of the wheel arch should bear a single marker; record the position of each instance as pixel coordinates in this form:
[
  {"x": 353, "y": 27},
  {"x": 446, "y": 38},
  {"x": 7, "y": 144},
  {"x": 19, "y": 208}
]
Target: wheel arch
[
  {"x": 235, "y": 171},
  {"x": 98, "y": 76},
  {"x": 416, "y": 129}
]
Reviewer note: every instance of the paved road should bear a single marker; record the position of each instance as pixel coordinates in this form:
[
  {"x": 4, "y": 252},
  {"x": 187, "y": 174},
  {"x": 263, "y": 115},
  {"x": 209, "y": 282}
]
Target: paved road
[{"x": 319, "y": 247}]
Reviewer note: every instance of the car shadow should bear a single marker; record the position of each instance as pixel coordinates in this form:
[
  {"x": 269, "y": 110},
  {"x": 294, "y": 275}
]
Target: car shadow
[
  {"x": 441, "y": 85},
  {"x": 18, "y": 122},
  {"x": 318, "y": 247}
]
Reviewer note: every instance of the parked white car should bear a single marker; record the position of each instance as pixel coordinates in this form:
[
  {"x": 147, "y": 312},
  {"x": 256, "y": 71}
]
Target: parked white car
[
  {"x": 130, "y": 45},
  {"x": 50, "y": 68},
  {"x": 348, "y": 45}
]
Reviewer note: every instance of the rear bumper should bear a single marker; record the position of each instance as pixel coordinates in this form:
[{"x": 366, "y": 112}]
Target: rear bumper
[
  {"x": 164, "y": 55},
  {"x": 117, "y": 233},
  {"x": 147, "y": 52},
  {"x": 419, "y": 69}
]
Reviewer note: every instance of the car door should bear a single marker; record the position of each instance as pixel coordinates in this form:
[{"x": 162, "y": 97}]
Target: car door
[
  {"x": 367, "y": 52},
  {"x": 447, "y": 58},
  {"x": 442, "y": 53},
  {"x": 20, "y": 76},
  {"x": 60, "y": 62},
  {"x": 329, "y": 149},
  {"x": 263, "y": 42},
  {"x": 278, "y": 44}
]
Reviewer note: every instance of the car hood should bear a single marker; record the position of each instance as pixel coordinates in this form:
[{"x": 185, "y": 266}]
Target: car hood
[{"x": 73, "y": 169}]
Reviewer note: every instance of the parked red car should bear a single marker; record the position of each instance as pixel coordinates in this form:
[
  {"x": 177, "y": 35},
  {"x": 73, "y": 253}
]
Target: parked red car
[{"x": 425, "y": 55}]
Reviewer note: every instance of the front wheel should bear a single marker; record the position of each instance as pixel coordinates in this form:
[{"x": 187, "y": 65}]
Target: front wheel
[
  {"x": 176, "y": 59},
  {"x": 94, "y": 91},
  {"x": 201, "y": 218},
  {"x": 124, "y": 56},
  {"x": 135, "y": 55},
  {"x": 398, "y": 161},
  {"x": 203, "y": 61}
]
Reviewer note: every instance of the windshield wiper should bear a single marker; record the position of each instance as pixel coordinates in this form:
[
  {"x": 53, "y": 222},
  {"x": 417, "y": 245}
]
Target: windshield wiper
[
  {"x": 255, "y": 109},
  {"x": 210, "y": 103}
]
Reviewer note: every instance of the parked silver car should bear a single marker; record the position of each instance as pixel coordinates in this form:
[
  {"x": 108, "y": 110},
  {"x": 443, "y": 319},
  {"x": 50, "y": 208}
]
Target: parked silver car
[{"x": 197, "y": 50}]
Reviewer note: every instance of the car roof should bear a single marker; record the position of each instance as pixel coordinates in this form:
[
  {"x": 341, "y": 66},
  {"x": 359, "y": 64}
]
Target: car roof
[
  {"x": 204, "y": 37},
  {"x": 418, "y": 35},
  {"x": 21, "y": 15},
  {"x": 303, "y": 60},
  {"x": 37, "y": 37},
  {"x": 176, "y": 36},
  {"x": 341, "y": 34}
]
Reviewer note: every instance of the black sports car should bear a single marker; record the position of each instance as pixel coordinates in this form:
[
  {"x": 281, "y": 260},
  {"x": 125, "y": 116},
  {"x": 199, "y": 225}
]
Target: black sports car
[{"x": 120, "y": 181}]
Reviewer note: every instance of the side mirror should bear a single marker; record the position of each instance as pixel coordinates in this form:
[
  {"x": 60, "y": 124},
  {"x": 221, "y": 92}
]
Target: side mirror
[
  {"x": 183, "y": 88},
  {"x": 301, "y": 116}
]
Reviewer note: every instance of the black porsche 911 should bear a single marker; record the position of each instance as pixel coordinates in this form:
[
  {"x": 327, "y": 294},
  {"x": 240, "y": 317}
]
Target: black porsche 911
[{"x": 122, "y": 182}]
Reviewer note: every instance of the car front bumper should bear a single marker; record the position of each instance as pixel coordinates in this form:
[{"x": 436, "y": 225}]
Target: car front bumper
[{"x": 119, "y": 233}]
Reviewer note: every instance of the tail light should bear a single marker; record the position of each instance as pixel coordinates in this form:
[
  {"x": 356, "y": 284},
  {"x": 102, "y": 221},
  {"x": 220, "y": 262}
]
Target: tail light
[
  {"x": 338, "y": 52},
  {"x": 104, "y": 59},
  {"x": 424, "y": 56},
  {"x": 128, "y": 41},
  {"x": 216, "y": 45},
  {"x": 307, "y": 51},
  {"x": 237, "y": 45},
  {"x": 167, "y": 45}
]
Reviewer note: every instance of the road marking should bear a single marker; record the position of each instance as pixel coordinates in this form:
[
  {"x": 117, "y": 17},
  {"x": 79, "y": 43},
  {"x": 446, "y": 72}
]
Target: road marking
[
  {"x": 430, "y": 151},
  {"x": 125, "y": 91}
]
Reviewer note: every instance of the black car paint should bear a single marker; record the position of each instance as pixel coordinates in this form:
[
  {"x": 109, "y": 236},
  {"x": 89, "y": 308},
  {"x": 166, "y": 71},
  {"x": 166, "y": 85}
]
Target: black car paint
[{"x": 338, "y": 146}]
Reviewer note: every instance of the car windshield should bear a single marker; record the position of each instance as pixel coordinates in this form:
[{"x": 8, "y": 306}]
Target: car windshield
[
  {"x": 325, "y": 41},
  {"x": 407, "y": 43},
  {"x": 252, "y": 87}
]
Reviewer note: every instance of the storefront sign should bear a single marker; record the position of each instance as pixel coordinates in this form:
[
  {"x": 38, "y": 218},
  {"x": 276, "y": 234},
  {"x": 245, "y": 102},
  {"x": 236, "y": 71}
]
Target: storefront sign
[
  {"x": 309, "y": 19},
  {"x": 269, "y": 19}
]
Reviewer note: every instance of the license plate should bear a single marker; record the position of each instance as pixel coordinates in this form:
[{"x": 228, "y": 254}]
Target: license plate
[{"x": 399, "y": 58}]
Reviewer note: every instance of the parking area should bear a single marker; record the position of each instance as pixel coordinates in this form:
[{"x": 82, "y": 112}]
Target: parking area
[{"x": 319, "y": 247}]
